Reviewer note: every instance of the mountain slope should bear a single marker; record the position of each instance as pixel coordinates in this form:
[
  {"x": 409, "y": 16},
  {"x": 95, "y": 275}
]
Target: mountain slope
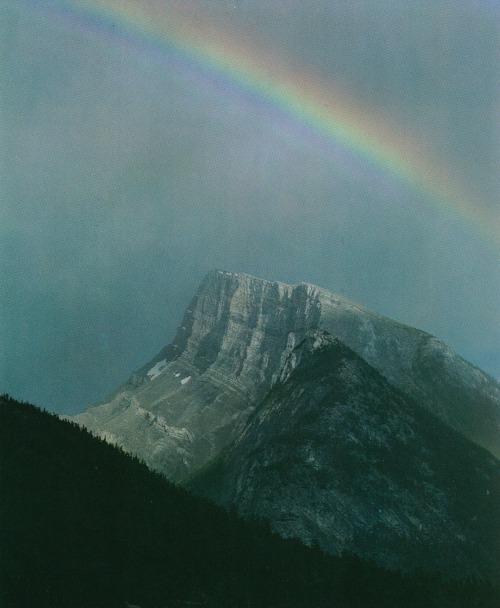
[
  {"x": 194, "y": 398},
  {"x": 336, "y": 455},
  {"x": 84, "y": 525}
]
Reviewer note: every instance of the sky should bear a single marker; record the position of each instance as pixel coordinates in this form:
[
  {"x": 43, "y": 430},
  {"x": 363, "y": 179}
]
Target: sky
[{"x": 350, "y": 144}]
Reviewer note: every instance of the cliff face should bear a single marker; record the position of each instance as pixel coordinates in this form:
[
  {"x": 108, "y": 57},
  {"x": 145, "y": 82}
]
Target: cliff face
[
  {"x": 341, "y": 426},
  {"x": 194, "y": 397},
  {"x": 190, "y": 401},
  {"x": 336, "y": 455}
]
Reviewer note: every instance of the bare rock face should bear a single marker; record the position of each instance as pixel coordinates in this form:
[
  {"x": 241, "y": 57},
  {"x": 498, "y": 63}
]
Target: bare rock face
[
  {"x": 336, "y": 455},
  {"x": 337, "y": 424},
  {"x": 195, "y": 396},
  {"x": 192, "y": 399}
]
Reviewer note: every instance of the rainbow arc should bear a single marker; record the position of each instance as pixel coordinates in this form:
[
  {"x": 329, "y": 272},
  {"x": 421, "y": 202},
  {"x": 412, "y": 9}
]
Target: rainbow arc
[{"x": 302, "y": 96}]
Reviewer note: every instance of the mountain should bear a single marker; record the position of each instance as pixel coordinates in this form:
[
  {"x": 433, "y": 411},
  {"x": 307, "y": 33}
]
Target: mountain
[
  {"x": 382, "y": 441},
  {"x": 337, "y": 456},
  {"x": 85, "y": 525},
  {"x": 195, "y": 396}
]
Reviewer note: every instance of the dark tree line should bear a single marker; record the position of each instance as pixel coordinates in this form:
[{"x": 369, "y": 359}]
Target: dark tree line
[{"x": 82, "y": 524}]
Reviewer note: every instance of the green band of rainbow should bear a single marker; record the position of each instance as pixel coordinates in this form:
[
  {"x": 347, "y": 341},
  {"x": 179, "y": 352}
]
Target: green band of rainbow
[{"x": 303, "y": 96}]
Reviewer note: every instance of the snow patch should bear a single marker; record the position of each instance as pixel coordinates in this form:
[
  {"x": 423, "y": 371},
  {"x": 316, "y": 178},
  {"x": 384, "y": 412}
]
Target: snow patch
[
  {"x": 186, "y": 380},
  {"x": 157, "y": 369}
]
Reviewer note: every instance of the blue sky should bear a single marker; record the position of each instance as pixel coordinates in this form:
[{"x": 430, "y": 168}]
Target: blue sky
[{"x": 126, "y": 179}]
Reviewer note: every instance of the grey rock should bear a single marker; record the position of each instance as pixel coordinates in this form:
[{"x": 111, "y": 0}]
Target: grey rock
[
  {"x": 232, "y": 344},
  {"x": 341, "y": 426},
  {"x": 336, "y": 455}
]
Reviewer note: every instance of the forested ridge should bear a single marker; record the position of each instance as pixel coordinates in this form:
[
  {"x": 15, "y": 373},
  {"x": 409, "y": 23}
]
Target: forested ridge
[{"x": 83, "y": 524}]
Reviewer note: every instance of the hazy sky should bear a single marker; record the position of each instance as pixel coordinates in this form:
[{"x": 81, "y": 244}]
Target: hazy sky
[{"x": 127, "y": 173}]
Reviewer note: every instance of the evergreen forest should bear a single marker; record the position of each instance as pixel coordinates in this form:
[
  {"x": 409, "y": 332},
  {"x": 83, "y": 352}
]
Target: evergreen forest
[{"x": 85, "y": 525}]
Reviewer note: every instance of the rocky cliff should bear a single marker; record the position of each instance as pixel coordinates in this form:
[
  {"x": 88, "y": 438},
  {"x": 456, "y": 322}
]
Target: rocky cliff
[
  {"x": 194, "y": 397},
  {"x": 341, "y": 426},
  {"x": 338, "y": 456}
]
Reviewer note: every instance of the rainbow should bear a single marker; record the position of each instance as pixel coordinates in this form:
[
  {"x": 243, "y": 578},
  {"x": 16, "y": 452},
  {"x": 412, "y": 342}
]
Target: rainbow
[{"x": 301, "y": 95}]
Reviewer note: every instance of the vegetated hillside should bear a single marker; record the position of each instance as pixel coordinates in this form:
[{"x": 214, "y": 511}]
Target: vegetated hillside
[{"x": 85, "y": 525}]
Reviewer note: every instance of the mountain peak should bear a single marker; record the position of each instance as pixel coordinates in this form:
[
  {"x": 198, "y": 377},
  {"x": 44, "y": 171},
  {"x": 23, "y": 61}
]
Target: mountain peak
[
  {"x": 352, "y": 415},
  {"x": 239, "y": 336}
]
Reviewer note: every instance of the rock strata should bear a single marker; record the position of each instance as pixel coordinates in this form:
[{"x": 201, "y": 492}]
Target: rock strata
[
  {"x": 336, "y": 455},
  {"x": 339, "y": 425},
  {"x": 230, "y": 348}
]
